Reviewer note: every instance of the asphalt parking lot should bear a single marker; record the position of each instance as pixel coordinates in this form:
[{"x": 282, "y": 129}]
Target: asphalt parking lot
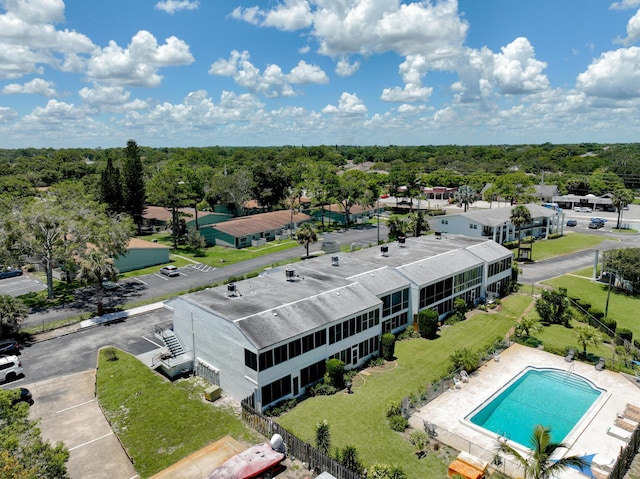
[{"x": 69, "y": 413}]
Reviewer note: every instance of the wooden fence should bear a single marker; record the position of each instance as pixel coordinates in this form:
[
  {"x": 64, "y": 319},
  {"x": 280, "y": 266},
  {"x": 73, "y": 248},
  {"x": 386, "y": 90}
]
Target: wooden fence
[
  {"x": 628, "y": 454},
  {"x": 296, "y": 448}
]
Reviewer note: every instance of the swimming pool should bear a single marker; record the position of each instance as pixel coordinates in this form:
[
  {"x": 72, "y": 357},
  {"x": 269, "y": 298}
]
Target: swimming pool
[{"x": 551, "y": 397}]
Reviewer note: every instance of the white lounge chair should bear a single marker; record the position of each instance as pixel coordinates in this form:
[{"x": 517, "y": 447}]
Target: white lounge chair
[
  {"x": 457, "y": 383},
  {"x": 464, "y": 376},
  {"x": 619, "y": 433},
  {"x": 569, "y": 357},
  {"x": 600, "y": 365},
  {"x": 496, "y": 356}
]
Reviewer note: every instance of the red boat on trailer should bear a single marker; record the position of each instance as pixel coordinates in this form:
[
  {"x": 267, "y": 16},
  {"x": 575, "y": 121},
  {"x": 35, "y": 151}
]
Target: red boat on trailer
[{"x": 260, "y": 461}]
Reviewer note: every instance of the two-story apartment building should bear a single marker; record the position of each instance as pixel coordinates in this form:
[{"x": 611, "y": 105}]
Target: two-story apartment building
[{"x": 270, "y": 336}]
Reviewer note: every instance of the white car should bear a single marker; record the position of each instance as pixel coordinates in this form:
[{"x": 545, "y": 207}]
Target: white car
[
  {"x": 170, "y": 271},
  {"x": 10, "y": 368}
]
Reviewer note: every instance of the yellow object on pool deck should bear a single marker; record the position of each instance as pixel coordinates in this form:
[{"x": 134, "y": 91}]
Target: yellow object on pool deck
[{"x": 467, "y": 466}]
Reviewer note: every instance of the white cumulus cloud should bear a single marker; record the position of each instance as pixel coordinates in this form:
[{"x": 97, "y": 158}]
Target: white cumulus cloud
[
  {"x": 344, "y": 68},
  {"x": 633, "y": 30},
  {"x": 349, "y": 105},
  {"x": 615, "y": 75},
  {"x": 273, "y": 82},
  {"x": 516, "y": 70},
  {"x": 138, "y": 63},
  {"x": 173, "y": 6},
  {"x": 37, "y": 86},
  {"x": 110, "y": 98},
  {"x": 624, "y": 4}
]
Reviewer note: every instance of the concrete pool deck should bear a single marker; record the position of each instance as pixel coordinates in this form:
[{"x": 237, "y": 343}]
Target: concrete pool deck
[{"x": 590, "y": 436}]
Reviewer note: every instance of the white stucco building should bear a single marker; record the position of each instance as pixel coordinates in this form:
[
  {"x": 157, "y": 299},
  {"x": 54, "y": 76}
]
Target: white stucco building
[
  {"x": 270, "y": 336},
  {"x": 495, "y": 223}
]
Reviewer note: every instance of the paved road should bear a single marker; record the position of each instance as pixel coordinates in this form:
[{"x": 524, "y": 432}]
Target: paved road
[{"x": 155, "y": 285}]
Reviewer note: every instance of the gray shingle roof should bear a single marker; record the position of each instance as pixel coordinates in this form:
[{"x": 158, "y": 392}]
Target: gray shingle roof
[{"x": 499, "y": 216}]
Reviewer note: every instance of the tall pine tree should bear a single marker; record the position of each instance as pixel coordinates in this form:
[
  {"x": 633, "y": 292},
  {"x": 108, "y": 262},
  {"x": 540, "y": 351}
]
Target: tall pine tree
[
  {"x": 134, "y": 188},
  {"x": 111, "y": 188}
]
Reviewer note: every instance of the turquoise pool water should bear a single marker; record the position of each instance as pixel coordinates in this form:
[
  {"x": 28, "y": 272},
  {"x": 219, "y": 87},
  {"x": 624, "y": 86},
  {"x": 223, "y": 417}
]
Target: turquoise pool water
[{"x": 550, "y": 397}]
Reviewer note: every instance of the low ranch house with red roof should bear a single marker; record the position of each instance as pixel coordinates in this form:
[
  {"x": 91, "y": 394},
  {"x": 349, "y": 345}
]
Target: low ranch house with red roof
[
  {"x": 253, "y": 230},
  {"x": 335, "y": 213},
  {"x": 159, "y": 217}
]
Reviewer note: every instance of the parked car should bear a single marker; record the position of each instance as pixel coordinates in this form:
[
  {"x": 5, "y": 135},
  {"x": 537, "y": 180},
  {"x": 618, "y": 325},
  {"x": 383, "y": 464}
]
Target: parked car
[
  {"x": 595, "y": 225},
  {"x": 585, "y": 209},
  {"x": 598, "y": 220},
  {"x": 170, "y": 271},
  {"x": 9, "y": 347},
  {"x": 10, "y": 368},
  {"x": 572, "y": 222},
  {"x": 109, "y": 285},
  {"x": 10, "y": 273}
]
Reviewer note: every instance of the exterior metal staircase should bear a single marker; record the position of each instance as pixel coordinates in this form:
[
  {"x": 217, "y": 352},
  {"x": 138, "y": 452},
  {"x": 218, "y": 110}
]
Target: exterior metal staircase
[{"x": 172, "y": 343}]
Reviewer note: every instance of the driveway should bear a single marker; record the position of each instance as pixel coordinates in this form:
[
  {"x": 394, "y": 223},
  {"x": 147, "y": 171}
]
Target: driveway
[{"x": 69, "y": 413}]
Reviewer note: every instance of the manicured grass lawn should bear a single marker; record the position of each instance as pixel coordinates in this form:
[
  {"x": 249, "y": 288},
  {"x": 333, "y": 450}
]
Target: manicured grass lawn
[
  {"x": 623, "y": 308},
  {"x": 570, "y": 243},
  {"x": 159, "y": 422},
  {"x": 359, "y": 418}
]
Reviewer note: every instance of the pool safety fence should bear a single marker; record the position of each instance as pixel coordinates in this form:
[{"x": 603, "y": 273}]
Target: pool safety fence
[{"x": 626, "y": 457}]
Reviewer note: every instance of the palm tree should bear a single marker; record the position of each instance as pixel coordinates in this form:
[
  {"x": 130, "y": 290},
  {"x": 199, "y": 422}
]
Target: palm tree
[
  {"x": 620, "y": 199},
  {"x": 306, "y": 235},
  {"x": 95, "y": 267},
  {"x": 538, "y": 464},
  {"x": 323, "y": 436},
  {"x": 464, "y": 196},
  {"x": 520, "y": 215}
]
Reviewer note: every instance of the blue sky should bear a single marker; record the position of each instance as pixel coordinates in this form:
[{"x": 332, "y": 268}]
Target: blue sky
[{"x": 83, "y": 73}]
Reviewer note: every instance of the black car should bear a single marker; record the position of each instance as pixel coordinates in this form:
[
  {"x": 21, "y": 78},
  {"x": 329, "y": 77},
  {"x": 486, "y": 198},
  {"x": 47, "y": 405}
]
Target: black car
[
  {"x": 9, "y": 347},
  {"x": 10, "y": 273},
  {"x": 594, "y": 225},
  {"x": 572, "y": 222}
]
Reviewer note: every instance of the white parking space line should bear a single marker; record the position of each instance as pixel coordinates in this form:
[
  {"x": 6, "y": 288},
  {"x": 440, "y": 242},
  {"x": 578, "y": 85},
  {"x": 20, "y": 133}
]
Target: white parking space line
[
  {"x": 75, "y": 406},
  {"x": 160, "y": 276},
  {"x": 89, "y": 442},
  {"x": 140, "y": 281},
  {"x": 154, "y": 343}
]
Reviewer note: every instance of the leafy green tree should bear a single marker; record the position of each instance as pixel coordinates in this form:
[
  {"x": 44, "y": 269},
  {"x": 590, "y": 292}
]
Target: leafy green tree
[
  {"x": 464, "y": 196},
  {"x": 169, "y": 189},
  {"x": 111, "y": 188},
  {"x": 12, "y": 312},
  {"x": 323, "y": 436},
  {"x": 388, "y": 346},
  {"x": 348, "y": 457},
  {"x": 335, "y": 372},
  {"x": 351, "y": 190},
  {"x": 418, "y": 224},
  {"x": 625, "y": 263},
  {"x": 96, "y": 267},
  {"x": 270, "y": 183},
  {"x": 306, "y": 235},
  {"x": 538, "y": 464},
  {"x": 527, "y": 326},
  {"x": 553, "y": 307},
  {"x": 23, "y": 453},
  {"x": 464, "y": 359},
  {"x": 195, "y": 191},
  {"x": 587, "y": 335},
  {"x": 196, "y": 241},
  {"x": 321, "y": 182},
  {"x": 134, "y": 191},
  {"x": 620, "y": 199},
  {"x": 233, "y": 188},
  {"x": 428, "y": 323},
  {"x": 520, "y": 216},
  {"x": 397, "y": 227}
]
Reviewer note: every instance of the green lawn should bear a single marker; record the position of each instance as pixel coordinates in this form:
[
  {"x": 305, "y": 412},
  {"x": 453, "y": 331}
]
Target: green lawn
[
  {"x": 622, "y": 307},
  {"x": 570, "y": 243},
  {"x": 159, "y": 422},
  {"x": 359, "y": 418}
]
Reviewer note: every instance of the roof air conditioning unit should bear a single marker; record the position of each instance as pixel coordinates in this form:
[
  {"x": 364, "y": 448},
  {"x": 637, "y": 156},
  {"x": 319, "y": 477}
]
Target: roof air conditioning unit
[
  {"x": 335, "y": 261},
  {"x": 290, "y": 274},
  {"x": 384, "y": 250},
  {"x": 231, "y": 290},
  {"x": 401, "y": 240}
]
